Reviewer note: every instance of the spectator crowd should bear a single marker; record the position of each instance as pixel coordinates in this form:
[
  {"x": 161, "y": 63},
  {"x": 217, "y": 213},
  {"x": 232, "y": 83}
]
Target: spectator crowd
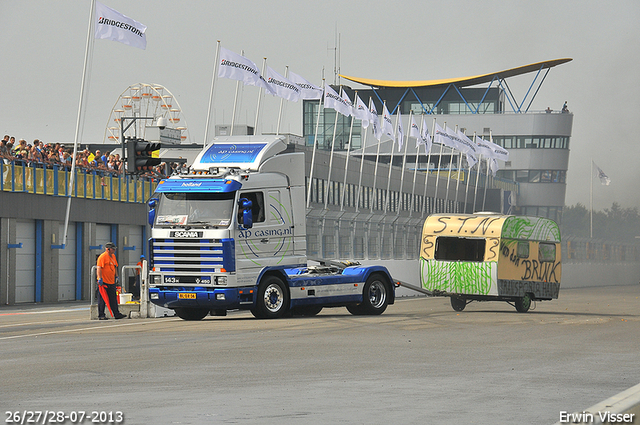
[{"x": 47, "y": 155}]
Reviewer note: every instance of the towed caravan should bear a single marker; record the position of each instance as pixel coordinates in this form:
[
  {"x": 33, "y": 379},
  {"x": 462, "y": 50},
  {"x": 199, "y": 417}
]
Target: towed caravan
[{"x": 490, "y": 257}]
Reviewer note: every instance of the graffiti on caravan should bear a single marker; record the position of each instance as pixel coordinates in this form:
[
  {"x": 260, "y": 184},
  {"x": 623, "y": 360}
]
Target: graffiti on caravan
[{"x": 471, "y": 225}]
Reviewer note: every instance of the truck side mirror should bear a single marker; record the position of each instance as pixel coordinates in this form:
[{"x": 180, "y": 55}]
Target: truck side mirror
[
  {"x": 246, "y": 215},
  {"x": 152, "y": 210}
]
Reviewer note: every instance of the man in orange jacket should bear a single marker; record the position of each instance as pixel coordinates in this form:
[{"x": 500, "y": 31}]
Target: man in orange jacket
[{"x": 107, "y": 273}]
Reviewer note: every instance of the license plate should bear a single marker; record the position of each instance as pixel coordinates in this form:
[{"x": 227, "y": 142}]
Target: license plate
[{"x": 187, "y": 296}]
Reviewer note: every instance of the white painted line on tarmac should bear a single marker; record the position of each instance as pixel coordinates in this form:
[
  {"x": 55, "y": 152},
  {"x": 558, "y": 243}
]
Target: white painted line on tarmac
[
  {"x": 85, "y": 329},
  {"x": 43, "y": 312}
]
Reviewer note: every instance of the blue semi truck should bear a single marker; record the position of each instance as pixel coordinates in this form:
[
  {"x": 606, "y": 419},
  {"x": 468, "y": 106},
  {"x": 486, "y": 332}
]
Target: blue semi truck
[{"x": 230, "y": 234}]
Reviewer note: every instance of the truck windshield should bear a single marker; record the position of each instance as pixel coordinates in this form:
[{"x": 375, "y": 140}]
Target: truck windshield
[{"x": 195, "y": 209}]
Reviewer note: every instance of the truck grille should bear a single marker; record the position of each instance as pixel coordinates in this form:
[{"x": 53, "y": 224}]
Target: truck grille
[{"x": 193, "y": 255}]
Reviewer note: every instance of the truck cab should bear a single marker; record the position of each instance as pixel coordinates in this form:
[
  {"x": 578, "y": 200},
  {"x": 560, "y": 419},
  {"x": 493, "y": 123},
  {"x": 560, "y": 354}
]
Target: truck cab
[{"x": 230, "y": 234}]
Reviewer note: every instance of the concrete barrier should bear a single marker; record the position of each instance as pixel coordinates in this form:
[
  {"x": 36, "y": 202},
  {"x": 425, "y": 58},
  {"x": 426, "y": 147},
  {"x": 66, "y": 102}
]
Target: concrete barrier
[{"x": 620, "y": 409}]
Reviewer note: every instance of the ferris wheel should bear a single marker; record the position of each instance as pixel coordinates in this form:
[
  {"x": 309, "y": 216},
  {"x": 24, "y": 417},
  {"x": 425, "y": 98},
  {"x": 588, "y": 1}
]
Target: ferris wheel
[{"x": 145, "y": 100}]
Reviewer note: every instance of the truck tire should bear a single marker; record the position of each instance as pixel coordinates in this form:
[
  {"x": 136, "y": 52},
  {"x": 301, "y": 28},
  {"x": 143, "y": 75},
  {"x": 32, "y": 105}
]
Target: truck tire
[
  {"x": 186, "y": 313},
  {"x": 458, "y": 304},
  {"x": 523, "y": 304},
  {"x": 272, "y": 300},
  {"x": 375, "y": 295}
]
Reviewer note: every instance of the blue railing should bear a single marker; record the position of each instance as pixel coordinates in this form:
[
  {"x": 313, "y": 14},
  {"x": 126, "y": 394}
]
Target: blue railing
[{"x": 88, "y": 184}]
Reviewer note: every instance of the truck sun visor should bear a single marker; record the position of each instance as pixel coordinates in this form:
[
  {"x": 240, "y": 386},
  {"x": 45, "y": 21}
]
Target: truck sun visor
[{"x": 196, "y": 185}]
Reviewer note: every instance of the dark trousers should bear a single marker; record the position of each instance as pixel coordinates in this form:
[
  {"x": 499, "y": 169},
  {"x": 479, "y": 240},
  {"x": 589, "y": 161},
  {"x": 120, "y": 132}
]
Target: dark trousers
[{"x": 113, "y": 300}]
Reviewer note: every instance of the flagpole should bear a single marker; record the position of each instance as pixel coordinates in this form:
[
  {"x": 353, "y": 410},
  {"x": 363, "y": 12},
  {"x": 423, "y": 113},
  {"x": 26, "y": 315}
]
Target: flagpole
[
  {"x": 315, "y": 147},
  {"x": 85, "y": 79},
  {"x": 446, "y": 195},
  {"x": 415, "y": 171},
  {"x": 346, "y": 162},
  {"x": 364, "y": 144},
  {"x": 333, "y": 145},
  {"x": 466, "y": 193},
  {"x": 458, "y": 181},
  {"x": 591, "y": 201},
  {"x": 404, "y": 159},
  {"x": 213, "y": 83},
  {"x": 486, "y": 182},
  {"x": 375, "y": 170},
  {"x": 426, "y": 177},
  {"x": 286, "y": 75},
  {"x": 235, "y": 103},
  {"x": 255, "y": 127},
  {"x": 435, "y": 196},
  {"x": 393, "y": 143}
]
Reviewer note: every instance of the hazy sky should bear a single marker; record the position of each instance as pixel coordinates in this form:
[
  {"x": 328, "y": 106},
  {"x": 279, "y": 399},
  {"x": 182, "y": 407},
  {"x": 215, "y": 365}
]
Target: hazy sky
[{"x": 43, "y": 44}]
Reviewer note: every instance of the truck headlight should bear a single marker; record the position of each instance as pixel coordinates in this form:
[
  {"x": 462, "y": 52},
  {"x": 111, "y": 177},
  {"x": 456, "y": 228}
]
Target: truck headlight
[
  {"x": 157, "y": 279},
  {"x": 221, "y": 280},
  {"x": 155, "y": 296}
]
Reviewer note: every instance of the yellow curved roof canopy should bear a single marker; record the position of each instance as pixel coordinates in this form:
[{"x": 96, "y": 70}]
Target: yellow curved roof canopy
[{"x": 461, "y": 82}]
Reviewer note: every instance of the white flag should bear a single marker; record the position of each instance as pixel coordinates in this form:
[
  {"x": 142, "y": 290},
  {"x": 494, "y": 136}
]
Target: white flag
[
  {"x": 414, "y": 131},
  {"x": 281, "y": 86},
  {"x": 498, "y": 152},
  {"x": 445, "y": 137},
  {"x": 425, "y": 137},
  {"x": 375, "y": 120},
  {"x": 113, "y": 25},
  {"x": 493, "y": 166},
  {"x": 387, "y": 126},
  {"x": 361, "y": 112},
  {"x": 400, "y": 132},
  {"x": 604, "y": 179},
  {"x": 308, "y": 91},
  {"x": 236, "y": 67},
  {"x": 334, "y": 101},
  {"x": 484, "y": 148},
  {"x": 466, "y": 144}
]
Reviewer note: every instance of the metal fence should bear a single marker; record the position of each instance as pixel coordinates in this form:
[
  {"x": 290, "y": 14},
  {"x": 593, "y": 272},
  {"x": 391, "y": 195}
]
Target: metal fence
[{"x": 88, "y": 184}]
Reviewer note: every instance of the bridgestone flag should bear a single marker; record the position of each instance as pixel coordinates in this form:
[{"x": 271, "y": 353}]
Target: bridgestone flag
[
  {"x": 282, "y": 87},
  {"x": 375, "y": 121},
  {"x": 334, "y": 101},
  {"x": 308, "y": 91},
  {"x": 361, "y": 112},
  {"x": 239, "y": 68},
  {"x": 387, "y": 126},
  {"x": 113, "y": 25}
]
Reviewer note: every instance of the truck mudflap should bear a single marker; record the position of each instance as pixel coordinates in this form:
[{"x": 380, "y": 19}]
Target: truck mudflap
[{"x": 211, "y": 298}]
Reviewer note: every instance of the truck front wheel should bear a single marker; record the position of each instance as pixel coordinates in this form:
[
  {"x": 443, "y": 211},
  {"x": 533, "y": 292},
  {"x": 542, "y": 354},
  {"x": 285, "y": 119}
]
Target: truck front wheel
[
  {"x": 191, "y": 313},
  {"x": 273, "y": 299}
]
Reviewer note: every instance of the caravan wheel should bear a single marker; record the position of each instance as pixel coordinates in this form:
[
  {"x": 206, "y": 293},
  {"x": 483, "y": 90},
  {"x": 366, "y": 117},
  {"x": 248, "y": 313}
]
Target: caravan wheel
[{"x": 523, "y": 304}]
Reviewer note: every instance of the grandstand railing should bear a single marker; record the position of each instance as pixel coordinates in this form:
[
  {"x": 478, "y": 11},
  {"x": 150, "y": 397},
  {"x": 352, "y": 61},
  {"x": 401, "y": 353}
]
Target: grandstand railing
[{"x": 88, "y": 184}]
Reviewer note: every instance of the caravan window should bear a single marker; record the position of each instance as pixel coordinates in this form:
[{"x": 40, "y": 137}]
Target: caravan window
[
  {"x": 459, "y": 249},
  {"x": 523, "y": 249},
  {"x": 546, "y": 252}
]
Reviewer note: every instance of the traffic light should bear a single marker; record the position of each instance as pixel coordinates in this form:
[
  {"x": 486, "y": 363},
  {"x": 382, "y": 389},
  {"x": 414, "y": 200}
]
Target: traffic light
[{"x": 139, "y": 155}]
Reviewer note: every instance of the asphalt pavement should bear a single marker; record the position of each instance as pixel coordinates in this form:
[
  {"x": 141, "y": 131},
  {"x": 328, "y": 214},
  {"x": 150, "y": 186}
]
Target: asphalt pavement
[{"x": 418, "y": 363}]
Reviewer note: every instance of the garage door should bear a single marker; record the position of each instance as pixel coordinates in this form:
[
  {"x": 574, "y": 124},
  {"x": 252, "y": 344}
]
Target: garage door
[
  {"x": 67, "y": 265},
  {"x": 26, "y": 262}
]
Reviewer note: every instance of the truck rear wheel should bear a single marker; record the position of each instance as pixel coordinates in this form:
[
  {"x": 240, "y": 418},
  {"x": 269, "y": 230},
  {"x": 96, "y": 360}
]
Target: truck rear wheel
[
  {"x": 375, "y": 296},
  {"x": 272, "y": 300},
  {"x": 523, "y": 304},
  {"x": 186, "y": 313}
]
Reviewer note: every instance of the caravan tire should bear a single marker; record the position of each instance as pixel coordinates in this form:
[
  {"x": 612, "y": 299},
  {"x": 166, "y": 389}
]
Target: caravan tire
[{"x": 523, "y": 304}]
